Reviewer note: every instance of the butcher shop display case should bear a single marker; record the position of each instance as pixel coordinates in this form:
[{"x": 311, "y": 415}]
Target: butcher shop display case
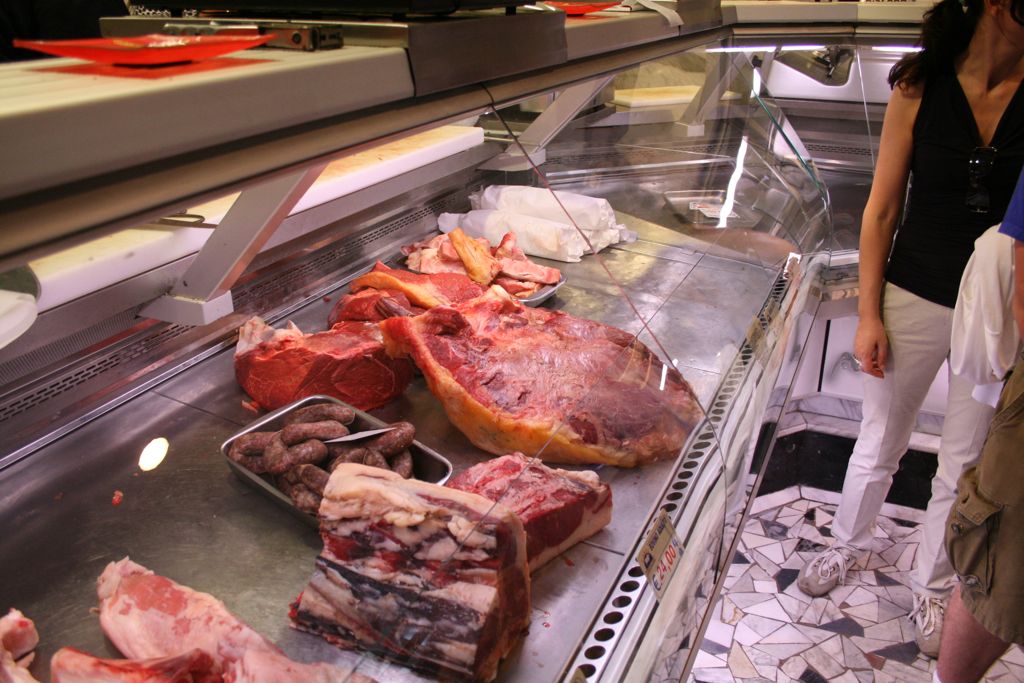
[{"x": 577, "y": 293}]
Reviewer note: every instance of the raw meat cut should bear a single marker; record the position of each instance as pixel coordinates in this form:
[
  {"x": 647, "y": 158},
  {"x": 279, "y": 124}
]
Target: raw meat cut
[
  {"x": 347, "y": 362},
  {"x": 365, "y": 306},
  {"x": 432, "y": 577},
  {"x": 543, "y": 382},
  {"x": 514, "y": 263},
  {"x": 558, "y": 508},
  {"x": 18, "y": 634},
  {"x": 147, "y": 616},
  {"x": 74, "y": 666},
  {"x": 481, "y": 267},
  {"x": 18, "y": 638},
  {"x": 425, "y": 291}
]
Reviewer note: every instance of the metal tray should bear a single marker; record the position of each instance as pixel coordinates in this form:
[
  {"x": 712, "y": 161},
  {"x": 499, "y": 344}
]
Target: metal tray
[
  {"x": 427, "y": 464},
  {"x": 682, "y": 202}
]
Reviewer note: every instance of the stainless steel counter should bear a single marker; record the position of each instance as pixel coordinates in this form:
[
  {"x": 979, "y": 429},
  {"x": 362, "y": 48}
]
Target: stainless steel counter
[{"x": 192, "y": 521}]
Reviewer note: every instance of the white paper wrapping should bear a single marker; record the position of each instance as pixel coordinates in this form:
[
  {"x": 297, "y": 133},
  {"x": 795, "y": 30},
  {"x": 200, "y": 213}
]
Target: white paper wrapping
[
  {"x": 535, "y": 236},
  {"x": 589, "y": 213}
]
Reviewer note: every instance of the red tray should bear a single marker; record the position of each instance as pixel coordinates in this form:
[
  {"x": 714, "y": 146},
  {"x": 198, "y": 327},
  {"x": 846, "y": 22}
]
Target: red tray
[
  {"x": 149, "y": 50},
  {"x": 575, "y": 9}
]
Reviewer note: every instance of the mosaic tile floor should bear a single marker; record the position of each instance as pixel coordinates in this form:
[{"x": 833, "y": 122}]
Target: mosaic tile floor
[{"x": 765, "y": 629}]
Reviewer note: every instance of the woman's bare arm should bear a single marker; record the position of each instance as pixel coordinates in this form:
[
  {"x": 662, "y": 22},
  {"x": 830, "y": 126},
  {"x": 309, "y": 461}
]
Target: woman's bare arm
[{"x": 878, "y": 226}]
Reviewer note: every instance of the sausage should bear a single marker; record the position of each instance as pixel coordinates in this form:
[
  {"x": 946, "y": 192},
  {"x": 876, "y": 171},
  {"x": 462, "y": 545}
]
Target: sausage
[
  {"x": 314, "y": 478},
  {"x": 393, "y": 442},
  {"x": 401, "y": 464},
  {"x": 253, "y": 443},
  {"x": 304, "y": 499},
  {"x": 375, "y": 459},
  {"x": 319, "y": 412},
  {"x": 304, "y": 431},
  {"x": 280, "y": 457},
  {"x": 344, "y": 452}
]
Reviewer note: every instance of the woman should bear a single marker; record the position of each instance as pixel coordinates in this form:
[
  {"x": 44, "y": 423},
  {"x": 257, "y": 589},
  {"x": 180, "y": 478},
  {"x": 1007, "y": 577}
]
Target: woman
[{"x": 954, "y": 126}]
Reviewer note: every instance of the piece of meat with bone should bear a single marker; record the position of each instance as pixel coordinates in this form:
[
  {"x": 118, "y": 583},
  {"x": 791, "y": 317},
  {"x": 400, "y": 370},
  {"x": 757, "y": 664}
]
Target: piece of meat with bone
[
  {"x": 348, "y": 362},
  {"x": 432, "y": 577},
  {"x": 425, "y": 291},
  {"x": 74, "y": 666},
  {"x": 147, "y": 616},
  {"x": 476, "y": 256},
  {"x": 364, "y": 306},
  {"x": 571, "y": 390},
  {"x": 558, "y": 508}
]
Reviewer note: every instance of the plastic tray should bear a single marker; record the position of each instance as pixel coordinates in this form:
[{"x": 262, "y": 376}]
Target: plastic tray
[
  {"x": 427, "y": 464},
  {"x": 149, "y": 50}
]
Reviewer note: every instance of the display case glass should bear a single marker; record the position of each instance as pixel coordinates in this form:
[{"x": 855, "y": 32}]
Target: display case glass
[{"x": 674, "y": 226}]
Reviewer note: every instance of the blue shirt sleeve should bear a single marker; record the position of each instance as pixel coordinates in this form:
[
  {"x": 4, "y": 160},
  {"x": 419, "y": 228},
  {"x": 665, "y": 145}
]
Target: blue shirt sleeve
[{"x": 1013, "y": 221}]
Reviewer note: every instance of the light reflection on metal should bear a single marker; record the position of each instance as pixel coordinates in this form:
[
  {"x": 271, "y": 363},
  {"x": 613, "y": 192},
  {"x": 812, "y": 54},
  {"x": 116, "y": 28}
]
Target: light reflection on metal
[
  {"x": 153, "y": 454},
  {"x": 895, "y": 48},
  {"x": 664, "y": 374},
  {"x": 744, "y": 48},
  {"x": 730, "y": 192}
]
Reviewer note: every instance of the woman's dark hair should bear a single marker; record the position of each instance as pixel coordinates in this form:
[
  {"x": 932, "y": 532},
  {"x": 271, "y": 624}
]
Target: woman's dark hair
[{"x": 946, "y": 31}]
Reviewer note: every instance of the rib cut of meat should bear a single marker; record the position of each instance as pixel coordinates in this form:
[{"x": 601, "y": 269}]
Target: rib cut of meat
[
  {"x": 425, "y": 291},
  {"x": 543, "y": 382},
  {"x": 365, "y": 306},
  {"x": 558, "y": 508},
  {"x": 433, "y": 577},
  {"x": 148, "y": 616},
  {"x": 74, "y": 666},
  {"x": 348, "y": 362}
]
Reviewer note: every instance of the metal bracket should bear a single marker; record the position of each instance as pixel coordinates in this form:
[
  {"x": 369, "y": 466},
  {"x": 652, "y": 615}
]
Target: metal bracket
[
  {"x": 203, "y": 294},
  {"x": 716, "y": 76},
  {"x": 545, "y": 127}
]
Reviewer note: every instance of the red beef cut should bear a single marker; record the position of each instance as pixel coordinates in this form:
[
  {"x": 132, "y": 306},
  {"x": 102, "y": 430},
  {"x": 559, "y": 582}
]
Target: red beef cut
[
  {"x": 543, "y": 382},
  {"x": 364, "y": 306},
  {"x": 348, "y": 362},
  {"x": 558, "y": 508}
]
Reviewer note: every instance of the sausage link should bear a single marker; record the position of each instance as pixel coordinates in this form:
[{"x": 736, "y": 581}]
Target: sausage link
[
  {"x": 401, "y": 464},
  {"x": 304, "y": 431},
  {"x": 304, "y": 499},
  {"x": 319, "y": 412},
  {"x": 375, "y": 459},
  {"x": 393, "y": 442},
  {"x": 275, "y": 458},
  {"x": 253, "y": 443},
  {"x": 314, "y": 478}
]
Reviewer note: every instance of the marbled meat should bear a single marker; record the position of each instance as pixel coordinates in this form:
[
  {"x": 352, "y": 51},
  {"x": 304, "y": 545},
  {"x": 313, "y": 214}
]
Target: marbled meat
[
  {"x": 432, "y": 577},
  {"x": 147, "y": 616},
  {"x": 558, "y": 508},
  {"x": 543, "y": 382},
  {"x": 347, "y": 362}
]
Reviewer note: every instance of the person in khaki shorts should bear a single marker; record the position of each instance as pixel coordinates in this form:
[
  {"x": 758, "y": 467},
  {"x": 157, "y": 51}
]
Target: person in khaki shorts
[{"x": 985, "y": 528}]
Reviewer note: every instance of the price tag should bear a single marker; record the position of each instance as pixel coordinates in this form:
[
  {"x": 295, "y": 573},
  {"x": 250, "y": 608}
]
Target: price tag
[
  {"x": 660, "y": 553},
  {"x": 711, "y": 210}
]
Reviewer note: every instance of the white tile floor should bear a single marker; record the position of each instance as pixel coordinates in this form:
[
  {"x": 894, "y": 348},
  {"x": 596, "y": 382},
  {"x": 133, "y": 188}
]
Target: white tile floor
[{"x": 765, "y": 629}]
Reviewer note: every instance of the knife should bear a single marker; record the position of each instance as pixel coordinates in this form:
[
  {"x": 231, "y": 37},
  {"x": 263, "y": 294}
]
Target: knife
[{"x": 359, "y": 435}]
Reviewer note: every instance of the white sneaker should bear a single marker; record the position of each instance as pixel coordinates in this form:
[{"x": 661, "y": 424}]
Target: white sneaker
[
  {"x": 826, "y": 571},
  {"x": 928, "y": 614}
]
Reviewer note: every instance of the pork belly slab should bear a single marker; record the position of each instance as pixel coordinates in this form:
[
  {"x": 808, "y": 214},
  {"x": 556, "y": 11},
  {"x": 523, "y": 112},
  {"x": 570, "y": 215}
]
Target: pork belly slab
[
  {"x": 147, "y": 616},
  {"x": 537, "y": 381},
  {"x": 348, "y": 362},
  {"x": 74, "y": 666},
  {"x": 558, "y": 508},
  {"x": 431, "y": 577}
]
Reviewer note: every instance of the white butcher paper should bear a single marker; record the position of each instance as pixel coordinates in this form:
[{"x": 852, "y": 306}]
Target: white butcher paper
[
  {"x": 535, "y": 236},
  {"x": 589, "y": 213}
]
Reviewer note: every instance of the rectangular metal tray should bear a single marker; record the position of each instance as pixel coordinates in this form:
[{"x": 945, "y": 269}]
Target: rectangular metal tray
[{"x": 427, "y": 464}]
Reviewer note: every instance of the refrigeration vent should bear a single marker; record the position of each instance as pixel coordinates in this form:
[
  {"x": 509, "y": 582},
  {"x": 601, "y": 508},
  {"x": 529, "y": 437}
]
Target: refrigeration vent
[
  {"x": 631, "y": 595},
  {"x": 818, "y": 149},
  {"x": 82, "y": 373}
]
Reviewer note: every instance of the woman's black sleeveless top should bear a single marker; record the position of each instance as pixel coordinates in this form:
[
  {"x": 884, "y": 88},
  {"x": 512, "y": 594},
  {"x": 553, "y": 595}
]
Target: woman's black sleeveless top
[{"x": 937, "y": 236}]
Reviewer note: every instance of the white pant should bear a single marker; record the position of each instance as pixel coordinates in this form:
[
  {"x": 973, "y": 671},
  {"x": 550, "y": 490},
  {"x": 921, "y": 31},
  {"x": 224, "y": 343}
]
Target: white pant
[{"x": 918, "y": 332}]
